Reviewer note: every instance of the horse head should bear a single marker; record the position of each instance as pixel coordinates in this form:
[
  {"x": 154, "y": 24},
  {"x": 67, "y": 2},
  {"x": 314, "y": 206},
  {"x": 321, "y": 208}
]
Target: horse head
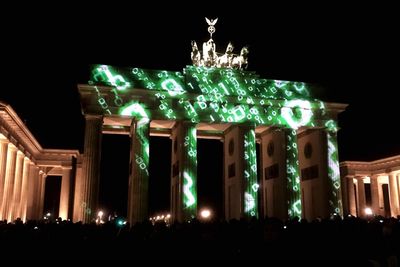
[
  {"x": 229, "y": 49},
  {"x": 244, "y": 55},
  {"x": 195, "y": 55},
  {"x": 244, "y": 52}
]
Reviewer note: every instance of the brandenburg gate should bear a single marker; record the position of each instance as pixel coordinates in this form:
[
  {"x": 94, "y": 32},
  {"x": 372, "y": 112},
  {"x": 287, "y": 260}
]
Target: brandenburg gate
[{"x": 215, "y": 98}]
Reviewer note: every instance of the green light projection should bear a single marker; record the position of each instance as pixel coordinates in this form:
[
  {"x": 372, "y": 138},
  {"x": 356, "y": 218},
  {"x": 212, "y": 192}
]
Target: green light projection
[
  {"x": 335, "y": 202},
  {"x": 189, "y": 171},
  {"x": 210, "y": 95},
  {"x": 142, "y": 157},
  {"x": 218, "y": 95},
  {"x": 142, "y": 133},
  {"x": 292, "y": 175},
  {"x": 250, "y": 173},
  {"x": 139, "y": 177}
]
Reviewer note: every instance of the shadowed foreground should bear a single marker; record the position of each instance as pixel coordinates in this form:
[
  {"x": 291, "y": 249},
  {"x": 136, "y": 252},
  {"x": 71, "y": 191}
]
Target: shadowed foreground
[{"x": 269, "y": 242}]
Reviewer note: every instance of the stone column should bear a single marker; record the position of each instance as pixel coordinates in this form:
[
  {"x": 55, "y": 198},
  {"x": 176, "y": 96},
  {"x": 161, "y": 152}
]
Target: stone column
[
  {"x": 184, "y": 172},
  {"x": 394, "y": 195},
  {"x": 65, "y": 192},
  {"x": 361, "y": 196},
  {"x": 139, "y": 171},
  {"x": 3, "y": 166},
  {"x": 273, "y": 173},
  {"x": 233, "y": 173},
  {"x": 375, "y": 195},
  {"x": 24, "y": 189},
  {"x": 90, "y": 168},
  {"x": 250, "y": 181},
  {"x": 334, "y": 191},
  {"x": 175, "y": 198},
  {"x": 19, "y": 167},
  {"x": 351, "y": 196},
  {"x": 262, "y": 207},
  {"x": 41, "y": 192},
  {"x": 240, "y": 173},
  {"x": 398, "y": 187},
  {"x": 32, "y": 203},
  {"x": 9, "y": 182},
  {"x": 293, "y": 175},
  {"x": 78, "y": 194},
  {"x": 345, "y": 195}
]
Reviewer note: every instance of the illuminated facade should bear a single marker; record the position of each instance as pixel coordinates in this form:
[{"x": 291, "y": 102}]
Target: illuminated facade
[
  {"x": 299, "y": 158},
  {"x": 297, "y": 174},
  {"x": 24, "y": 166},
  {"x": 371, "y": 188}
]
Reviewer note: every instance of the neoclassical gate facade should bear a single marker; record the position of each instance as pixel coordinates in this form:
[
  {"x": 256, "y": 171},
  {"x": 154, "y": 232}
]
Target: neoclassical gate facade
[{"x": 299, "y": 173}]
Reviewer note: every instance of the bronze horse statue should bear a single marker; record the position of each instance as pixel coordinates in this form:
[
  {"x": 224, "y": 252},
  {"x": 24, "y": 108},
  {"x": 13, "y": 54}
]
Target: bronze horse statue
[{"x": 240, "y": 62}]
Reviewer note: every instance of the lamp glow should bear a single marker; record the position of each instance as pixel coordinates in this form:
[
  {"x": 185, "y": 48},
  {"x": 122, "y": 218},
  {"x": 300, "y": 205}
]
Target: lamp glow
[
  {"x": 205, "y": 214},
  {"x": 368, "y": 211}
]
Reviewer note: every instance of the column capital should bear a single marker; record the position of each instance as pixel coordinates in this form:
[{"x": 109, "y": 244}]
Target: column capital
[
  {"x": 11, "y": 146},
  {"x": 66, "y": 167},
  {"x": 93, "y": 117},
  {"x": 359, "y": 177},
  {"x": 185, "y": 122},
  {"x": 269, "y": 130}
]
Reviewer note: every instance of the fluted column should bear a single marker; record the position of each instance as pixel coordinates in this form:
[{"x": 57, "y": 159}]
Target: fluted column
[
  {"x": 64, "y": 195},
  {"x": 91, "y": 168},
  {"x": 351, "y": 196},
  {"x": 398, "y": 187},
  {"x": 250, "y": 183},
  {"x": 78, "y": 194},
  {"x": 188, "y": 170},
  {"x": 394, "y": 195},
  {"x": 375, "y": 195},
  {"x": 3, "y": 165},
  {"x": 32, "y": 203},
  {"x": 334, "y": 192},
  {"x": 24, "y": 189},
  {"x": 184, "y": 194},
  {"x": 9, "y": 182},
  {"x": 42, "y": 190},
  {"x": 345, "y": 195},
  {"x": 293, "y": 175},
  {"x": 19, "y": 167},
  {"x": 361, "y": 196},
  {"x": 139, "y": 171}
]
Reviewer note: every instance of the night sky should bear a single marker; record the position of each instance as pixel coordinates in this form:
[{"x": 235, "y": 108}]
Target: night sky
[{"x": 351, "y": 55}]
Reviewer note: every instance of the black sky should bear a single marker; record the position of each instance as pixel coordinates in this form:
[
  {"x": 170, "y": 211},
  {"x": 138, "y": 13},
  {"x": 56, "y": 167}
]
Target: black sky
[{"x": 351, "y": 53}]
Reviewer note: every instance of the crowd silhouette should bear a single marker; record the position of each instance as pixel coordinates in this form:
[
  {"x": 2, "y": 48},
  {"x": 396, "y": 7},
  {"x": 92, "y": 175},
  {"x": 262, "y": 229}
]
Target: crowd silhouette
[{"x": 323, "y": 242}]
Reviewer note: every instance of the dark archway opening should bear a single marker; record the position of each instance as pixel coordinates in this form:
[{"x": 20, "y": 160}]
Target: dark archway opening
[
  {"x": 52, "y": 196},
  {"x": 160, "y": 175},
  {"x": 114, "y": 175},
  {"x": 210, "y": 176}
]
